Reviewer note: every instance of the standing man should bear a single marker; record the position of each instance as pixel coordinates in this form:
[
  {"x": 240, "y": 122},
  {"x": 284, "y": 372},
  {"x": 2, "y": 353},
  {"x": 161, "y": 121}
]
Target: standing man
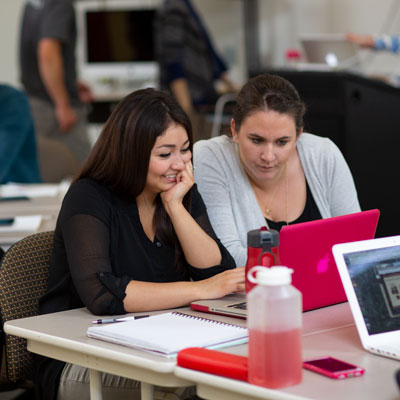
[
  {"x": 48, "y": 73},
  {"x": 190, "y": 66}
]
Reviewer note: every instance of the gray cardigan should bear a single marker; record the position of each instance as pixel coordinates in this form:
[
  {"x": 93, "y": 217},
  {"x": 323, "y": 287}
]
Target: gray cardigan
[{"x": 230, "y": 200}]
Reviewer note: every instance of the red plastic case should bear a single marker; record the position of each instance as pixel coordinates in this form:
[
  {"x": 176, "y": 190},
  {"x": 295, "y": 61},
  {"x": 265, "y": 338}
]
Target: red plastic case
[{"x": 214, "y": 362}]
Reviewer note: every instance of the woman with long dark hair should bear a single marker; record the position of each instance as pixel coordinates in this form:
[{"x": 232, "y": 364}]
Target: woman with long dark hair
[{"x": 133, "y": 232}]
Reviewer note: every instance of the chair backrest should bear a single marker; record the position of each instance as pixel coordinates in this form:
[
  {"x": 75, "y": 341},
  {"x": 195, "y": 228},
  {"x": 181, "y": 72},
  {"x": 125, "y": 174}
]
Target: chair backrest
[
  {"x": 219, "y": 112},
  {"x": 56, "y": 160},
  {"x": 23, "y": 280}
]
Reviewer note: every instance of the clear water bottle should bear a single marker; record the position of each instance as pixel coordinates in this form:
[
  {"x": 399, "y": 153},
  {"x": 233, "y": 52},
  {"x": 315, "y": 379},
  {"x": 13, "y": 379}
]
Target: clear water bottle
[{"x": 274, "y": 321}]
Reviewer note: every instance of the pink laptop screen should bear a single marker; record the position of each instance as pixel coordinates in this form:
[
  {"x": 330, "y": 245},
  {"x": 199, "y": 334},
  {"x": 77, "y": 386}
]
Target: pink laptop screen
[{"x": 307, "y": 249}]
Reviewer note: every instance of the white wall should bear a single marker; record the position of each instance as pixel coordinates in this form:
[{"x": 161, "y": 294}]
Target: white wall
[
  {"x": 371, "y": 16},
  {"x": 10, "y": 14},
  {"x": 280, "y": 23},
  {"x": 223, "y": 19}
]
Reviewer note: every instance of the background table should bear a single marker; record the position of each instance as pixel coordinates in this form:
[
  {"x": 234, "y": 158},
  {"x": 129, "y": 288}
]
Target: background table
[
  {"x": 33, "y": 206},
  {"x": 48, "y": 206}
]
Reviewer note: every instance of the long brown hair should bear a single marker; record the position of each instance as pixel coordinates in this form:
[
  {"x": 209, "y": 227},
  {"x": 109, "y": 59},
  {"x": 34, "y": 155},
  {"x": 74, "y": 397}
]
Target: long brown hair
[
  {"x": 120, "y": 158},
  {"x": 269, "y": 92}
]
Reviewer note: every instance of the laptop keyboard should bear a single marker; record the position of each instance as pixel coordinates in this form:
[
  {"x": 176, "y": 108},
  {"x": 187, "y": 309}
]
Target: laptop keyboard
[{"x": 240, "y": 306}]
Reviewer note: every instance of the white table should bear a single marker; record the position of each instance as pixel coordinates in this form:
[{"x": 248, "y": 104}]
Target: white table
[
  {"x": 63, "y": 336},
  {"x": 41, "y": 203},
  {"x": 43, "y": 198},
  {"x": 47, "y": 207},
  {"x": 327, "y": 332},
  {"x": 33, "y": 206},
  {"x": 48, "y": 223}
]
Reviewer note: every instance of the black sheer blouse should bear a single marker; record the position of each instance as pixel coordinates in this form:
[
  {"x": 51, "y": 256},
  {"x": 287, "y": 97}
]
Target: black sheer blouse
[{"x": 100, "y": 245}]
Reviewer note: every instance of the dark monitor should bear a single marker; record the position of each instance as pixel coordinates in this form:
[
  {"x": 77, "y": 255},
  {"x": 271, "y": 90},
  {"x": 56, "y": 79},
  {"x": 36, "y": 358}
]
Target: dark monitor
[
  {"x": 115, "y": 53},
  {"x": 119, "y": 35}
]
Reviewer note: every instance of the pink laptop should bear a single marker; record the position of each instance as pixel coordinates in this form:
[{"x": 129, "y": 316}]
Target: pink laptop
[{"x": 307, "y": 249}]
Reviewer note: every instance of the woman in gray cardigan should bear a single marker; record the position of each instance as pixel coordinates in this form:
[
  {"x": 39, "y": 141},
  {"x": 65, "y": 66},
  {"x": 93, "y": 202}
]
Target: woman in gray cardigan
[{"x": 270, "y": 172}]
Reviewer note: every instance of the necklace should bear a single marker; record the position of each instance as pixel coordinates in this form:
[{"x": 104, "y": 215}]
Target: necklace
[
  {"x": 268, "y": 208},
  {"x": 287, "y": 191}
]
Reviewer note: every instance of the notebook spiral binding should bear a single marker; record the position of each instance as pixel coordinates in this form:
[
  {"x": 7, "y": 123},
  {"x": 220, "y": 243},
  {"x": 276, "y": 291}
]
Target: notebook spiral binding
[{"x": 207, "y": 320}]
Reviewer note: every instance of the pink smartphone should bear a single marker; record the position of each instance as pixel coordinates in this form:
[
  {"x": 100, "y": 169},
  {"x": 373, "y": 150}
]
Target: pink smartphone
[{"x": 333, "y": 368}]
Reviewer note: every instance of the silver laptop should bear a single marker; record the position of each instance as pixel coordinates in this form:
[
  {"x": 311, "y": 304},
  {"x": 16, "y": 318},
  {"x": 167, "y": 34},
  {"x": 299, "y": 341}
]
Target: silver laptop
[
  {"x": 370, "y": 273},
  {"x": 329, "y": 51},
  {"x": 233, "y": 305}
]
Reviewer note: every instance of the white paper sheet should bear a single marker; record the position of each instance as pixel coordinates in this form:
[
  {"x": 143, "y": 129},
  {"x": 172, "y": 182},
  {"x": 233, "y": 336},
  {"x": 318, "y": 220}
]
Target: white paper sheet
[{"x": 26, "y": 223}]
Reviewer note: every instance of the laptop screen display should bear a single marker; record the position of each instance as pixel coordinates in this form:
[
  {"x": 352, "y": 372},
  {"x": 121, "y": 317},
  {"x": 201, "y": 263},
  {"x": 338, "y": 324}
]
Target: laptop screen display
[{"x": 375, "y": 276}]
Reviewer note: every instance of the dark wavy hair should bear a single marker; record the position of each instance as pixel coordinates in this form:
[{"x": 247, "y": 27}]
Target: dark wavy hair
[
  {"x": 120, "y": 157},
  {"x": 269, "y": 92}
]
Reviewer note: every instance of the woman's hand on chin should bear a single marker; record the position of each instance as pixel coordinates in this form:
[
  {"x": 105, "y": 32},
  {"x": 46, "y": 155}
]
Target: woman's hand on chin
[{"x": 175, "y": 195}]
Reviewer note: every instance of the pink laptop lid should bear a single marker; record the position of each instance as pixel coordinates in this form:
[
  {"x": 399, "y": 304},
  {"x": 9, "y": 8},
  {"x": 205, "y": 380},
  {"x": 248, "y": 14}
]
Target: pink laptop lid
[{"x": 307, "y": 249}]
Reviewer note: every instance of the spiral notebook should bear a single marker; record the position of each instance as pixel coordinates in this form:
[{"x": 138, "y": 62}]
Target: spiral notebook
[{"x": 168, "y": 333}]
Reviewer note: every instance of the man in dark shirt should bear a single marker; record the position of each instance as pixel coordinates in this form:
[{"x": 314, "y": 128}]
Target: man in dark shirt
[{"x": 48, "y": 73}]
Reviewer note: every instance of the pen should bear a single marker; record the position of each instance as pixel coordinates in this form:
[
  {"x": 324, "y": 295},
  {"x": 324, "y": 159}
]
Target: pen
[{"x": 110, "y": 320}]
